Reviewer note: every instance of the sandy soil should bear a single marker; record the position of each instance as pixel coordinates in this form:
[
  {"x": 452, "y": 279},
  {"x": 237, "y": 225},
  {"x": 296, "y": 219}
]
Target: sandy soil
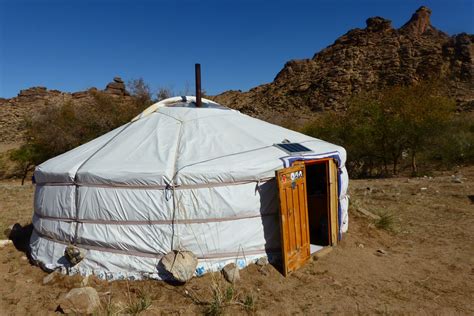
[{"x": 427, "y": 266}]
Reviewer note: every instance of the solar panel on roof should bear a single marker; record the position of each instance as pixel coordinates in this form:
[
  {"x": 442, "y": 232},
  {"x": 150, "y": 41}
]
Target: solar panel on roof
[{"x": 293, "y": 148}]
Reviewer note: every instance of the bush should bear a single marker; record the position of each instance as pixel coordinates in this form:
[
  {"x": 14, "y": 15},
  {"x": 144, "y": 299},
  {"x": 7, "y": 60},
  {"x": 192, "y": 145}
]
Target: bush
[
  {"x": 456, "y": 144},
  {"x": 58, "y": 128},
  {"x": 380, "y": 130}
]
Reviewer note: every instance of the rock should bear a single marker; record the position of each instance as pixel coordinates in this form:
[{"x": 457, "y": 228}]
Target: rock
[
  {"x": 456, "y": 179},
  {"x": 180, "y": 264},
  {"x": 74, "y": 254},
  {"x": 80, "y": 94},
  {"x": 33, "y": 92},
  {"x": 321, "y": 253},
  {"x": 471, "y": 198},
  {"x": 51, "y": 277},
  {"x": 263, "y": 261},
  {"x": 419, "y": 22},
  {"x": 85, "y": 281},
  {"x": 12, "y": 231},
  {"x": 367, "y": 213},
  {"x": 378, "y": 24},
  {"x": 381, "y": 252},
  {"x": 5, "y": 242},
  {"x": 116, "y": 87},
  {"x": 84, "y": 300},
  {"x": 231, "y": 273}
]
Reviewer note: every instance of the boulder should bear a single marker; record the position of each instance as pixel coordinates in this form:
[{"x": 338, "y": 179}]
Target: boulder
[
  {"x": 180, "y": 264},
  {"x": 321, "y": 253},
  {"x": 5, "y": 242},
  {"x": 419, "y": 22},
  {"x": 116, "y": 87},
  {"x": 84, "y": 300},
  {"x": 12, "y": 231},
  {"x": 74, "y": 254},
  {"x": 377, "y": 24},
  {"x": 231, "y": 273},
  {"x": 456, "y": 179},
  {"x": 51, "y": 277},
  {"x": 263, "y": 261},
  {"x": 80, "y": 94}
]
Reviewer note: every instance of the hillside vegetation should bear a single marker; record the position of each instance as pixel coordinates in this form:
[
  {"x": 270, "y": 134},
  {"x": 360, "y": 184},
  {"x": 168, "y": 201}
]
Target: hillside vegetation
[{"x": 396, "y": 99}]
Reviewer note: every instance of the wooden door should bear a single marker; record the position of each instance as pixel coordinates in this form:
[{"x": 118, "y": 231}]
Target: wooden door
[
  {"x": 333, "y": 202},
  {"x": 293, "y": 217}
]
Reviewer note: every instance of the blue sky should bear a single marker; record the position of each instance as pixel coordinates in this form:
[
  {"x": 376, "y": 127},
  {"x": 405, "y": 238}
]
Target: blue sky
[{"x": 73, "y": 45}]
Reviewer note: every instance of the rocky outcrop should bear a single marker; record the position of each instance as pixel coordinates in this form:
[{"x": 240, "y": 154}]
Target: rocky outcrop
[
  {"x": 116, "y": 87},
  {"x": 13, "y": 111},
  {"x": 363, "y": 60},
  {"x": 419, "y": 23}
]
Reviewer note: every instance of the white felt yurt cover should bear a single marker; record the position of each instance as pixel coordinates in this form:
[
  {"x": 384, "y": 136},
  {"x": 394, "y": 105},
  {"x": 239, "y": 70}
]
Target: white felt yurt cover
[{"x": 175, "y": 177}]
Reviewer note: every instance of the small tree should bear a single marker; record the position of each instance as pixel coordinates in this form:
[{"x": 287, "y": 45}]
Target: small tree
[
  {"x": 26, "y": 157},
  {"x": 140, "y": 91},
  {"x": 423, "y": 115},
  {"x": 164, "y": 93},
  {"x": 378, "y": 128}
]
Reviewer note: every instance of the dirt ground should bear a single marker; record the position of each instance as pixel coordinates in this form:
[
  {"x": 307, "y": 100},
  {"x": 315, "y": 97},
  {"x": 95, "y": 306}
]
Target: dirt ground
[{"x": 419, "y": 260}]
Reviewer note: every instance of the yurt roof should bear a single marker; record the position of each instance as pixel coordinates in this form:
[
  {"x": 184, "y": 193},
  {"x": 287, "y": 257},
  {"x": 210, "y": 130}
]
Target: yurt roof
[{"x": 173, "y": 142}]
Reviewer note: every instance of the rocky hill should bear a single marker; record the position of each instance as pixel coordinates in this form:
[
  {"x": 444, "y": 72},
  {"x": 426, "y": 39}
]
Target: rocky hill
[
  {"x": 13, "y": 111},
  {"x": 362, "y": 60}
]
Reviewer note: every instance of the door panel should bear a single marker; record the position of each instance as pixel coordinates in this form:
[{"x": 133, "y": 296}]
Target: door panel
[
  {"x": 333, "y": 202},
  {"x": 293, "y": 217}
]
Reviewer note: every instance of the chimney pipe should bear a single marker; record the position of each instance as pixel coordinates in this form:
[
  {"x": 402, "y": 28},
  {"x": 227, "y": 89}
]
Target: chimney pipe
[{"x": 198, "y": 85}]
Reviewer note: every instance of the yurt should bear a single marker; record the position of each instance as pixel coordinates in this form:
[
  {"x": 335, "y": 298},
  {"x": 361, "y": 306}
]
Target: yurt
[{"x": 206, "y": 179}]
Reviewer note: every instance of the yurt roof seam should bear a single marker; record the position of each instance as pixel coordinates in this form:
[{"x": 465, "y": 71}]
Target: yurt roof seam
[
  {"x": 209, "y": 116},
  {"x": 170, "y": 116},
  {"x": 76, "y": 197},
  {"x": 173, "y": 184},
  {"x": 224, "y": 156}
]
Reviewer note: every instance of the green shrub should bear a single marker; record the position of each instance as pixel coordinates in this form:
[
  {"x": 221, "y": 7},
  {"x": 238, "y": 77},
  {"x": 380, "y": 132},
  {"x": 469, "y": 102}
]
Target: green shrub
[
  {"x": 58, "y": 128},
  {"x": 388, "y": 130}
]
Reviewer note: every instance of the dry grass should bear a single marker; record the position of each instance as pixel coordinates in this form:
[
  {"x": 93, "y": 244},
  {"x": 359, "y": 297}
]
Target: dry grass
[
  {"x": 426, "y": 266},
  {"x": 386, "y": 221},
  {"x": 15, "y": 204}
]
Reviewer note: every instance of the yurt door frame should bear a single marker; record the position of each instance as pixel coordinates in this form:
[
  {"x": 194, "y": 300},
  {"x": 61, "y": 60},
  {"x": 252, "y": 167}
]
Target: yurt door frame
[{"x": 295, "y": 222}]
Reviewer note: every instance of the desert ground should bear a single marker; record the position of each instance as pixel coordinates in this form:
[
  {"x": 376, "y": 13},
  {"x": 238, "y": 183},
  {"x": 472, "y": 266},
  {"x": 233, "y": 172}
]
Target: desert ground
[{"x": 419, "y": 259}]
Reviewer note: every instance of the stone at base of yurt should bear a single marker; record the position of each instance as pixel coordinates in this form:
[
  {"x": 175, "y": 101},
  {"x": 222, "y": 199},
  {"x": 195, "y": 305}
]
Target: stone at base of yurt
[
  {"x": 74, "y": 254},
  {"x": 180, "y": 264},
  {"x": 231, "y": 273},
  {"x": 263, "y": 261}
]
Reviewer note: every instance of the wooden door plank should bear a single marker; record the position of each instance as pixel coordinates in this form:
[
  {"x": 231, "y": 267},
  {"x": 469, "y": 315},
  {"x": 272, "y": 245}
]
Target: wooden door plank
[
  {"x": 333, "y": 202},
  {"x": 291, "y": 221},
  {"x": 305, "y": 218},
  {"x": 296, "y": 217}
]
